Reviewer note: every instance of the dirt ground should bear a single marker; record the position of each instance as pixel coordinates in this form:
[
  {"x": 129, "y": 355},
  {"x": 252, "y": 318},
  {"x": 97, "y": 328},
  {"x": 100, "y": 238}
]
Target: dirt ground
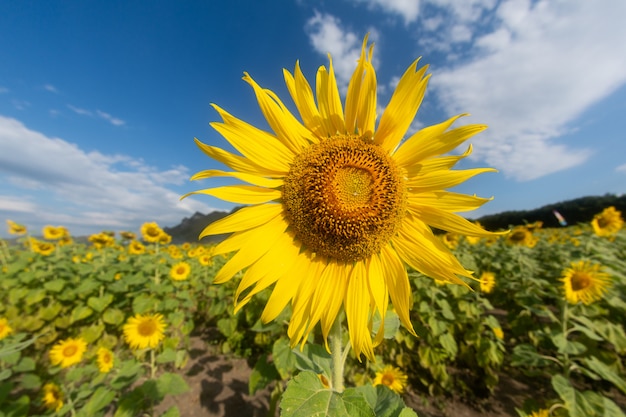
[{"x": 219, "y": 387}]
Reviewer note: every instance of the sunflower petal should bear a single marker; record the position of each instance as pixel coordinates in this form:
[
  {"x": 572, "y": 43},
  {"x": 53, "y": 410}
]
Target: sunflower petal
[
  {"x": 378, "y": 293},
  {"x": 236, "y": 162},
  {"x": 302, "y": 96},
  {"x": 446, "y": 200},
  {"x": 438, "y": 180},
  {"x": 249, "y": 178},
  {"x": 241, "y": 194},
  {"x": 398, "y": 283},
  {"x": 361, "y": 96},
  {"x": 357, "y": 306},
  {"x": 328, "y": 101},
  {"x": 450, "y": 222},
  {"x": 243, "y": 219}
]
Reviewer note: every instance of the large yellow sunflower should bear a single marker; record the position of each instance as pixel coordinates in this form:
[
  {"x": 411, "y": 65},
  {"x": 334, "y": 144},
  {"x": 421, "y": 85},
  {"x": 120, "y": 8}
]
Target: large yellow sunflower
[
  {"x": 339, "y": 202},
  {"x": 585, "y": 282},
  {"x": 142, "y": 331},
  {"x": 607, "y": 223},
  {"x": 391, "y": 377},
  {"x": 68, "y": 352}
]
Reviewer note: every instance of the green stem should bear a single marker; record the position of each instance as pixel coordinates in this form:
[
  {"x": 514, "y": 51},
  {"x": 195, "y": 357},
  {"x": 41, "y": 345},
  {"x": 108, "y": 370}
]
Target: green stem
[
  {"x": 336, "y": 355},
  {"x": 153, "y": 367},
  {"x": 564, "y": 322}
]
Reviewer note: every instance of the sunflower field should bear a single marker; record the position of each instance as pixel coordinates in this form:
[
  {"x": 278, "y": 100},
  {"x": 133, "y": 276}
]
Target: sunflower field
[{"x": 104, "y": 327}]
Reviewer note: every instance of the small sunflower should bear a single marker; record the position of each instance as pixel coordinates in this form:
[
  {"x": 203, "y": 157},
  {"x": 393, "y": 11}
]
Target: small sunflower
[
  {"x": 15, "y": 228},
  {"x": 205, "y": 259},
  {"x": 340, "y": 204},
  {"x": 5, "y": 329},
  {"x": 487, "y": 282},
  {"x": 607, "y": 223},
  {"x": 136, "y": 248},
  {"x": 68, "y": 352},
  {"x": 142, "y": 331},
  {"x": 54, "y": 233},
  {"x": 392, "y": 377},
  {"x": 585, "y": 282},
  {"x": 520, "y": 235},
  {"x": 180, "y": 271},
  {"x": 451, "y": 240},
  {"x": 101, "y": 240},
  {"x": 164, "y": 238},
  {"x": 42, "y": 248},
  {"x": 540, "y": 413},
  {"x": 126, "y": 235},
  {"x": 104, "y": 359},
  {"x": 52, "y": 396},
  {"x": 151, "y": 232},
  {"x": 497, "y": 331}
]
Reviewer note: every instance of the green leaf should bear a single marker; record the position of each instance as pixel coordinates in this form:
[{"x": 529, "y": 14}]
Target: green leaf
[
  {"x": 168, "y": 355},
  {"x": 525, "y": 355},
  {"x": 606, "y": 372},
  {"x": 56, "y": 285},
  {"x": 92, "y": 333},
  {"x": 113, "y": 316},
  {"x": 80, "y": 312},
  {"x": 392, "y": 324},
  {"x": 35, "y": 296},
  {"x": 313, "y": 358},
  {"x": 19, "y": 407},
  {"x": 172, "y": 384},
  {"x": 262, "y": 374},
  {"x": 611, "y": 409},
  {"x": 143, "y": 303},
  {"x": 575, "y": 401},
  {"x": 171, "y": 412},
  {"x": 306, "y": 396},
  {"x": 284, "y": 358},
  {"x": 383, "y": 401},
  {"x": 25, "y": 365},
  {"x": 5, "y": 389},
  {"x": 101, "y": 398},
  {"x": 31, "y": 381},
  {"x": 449, "y": 344},
  {"x": 100, "y": 303}
]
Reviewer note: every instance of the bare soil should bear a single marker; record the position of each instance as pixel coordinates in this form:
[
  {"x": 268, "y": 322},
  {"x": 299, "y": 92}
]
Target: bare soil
[{"x": 219, "y": 387}]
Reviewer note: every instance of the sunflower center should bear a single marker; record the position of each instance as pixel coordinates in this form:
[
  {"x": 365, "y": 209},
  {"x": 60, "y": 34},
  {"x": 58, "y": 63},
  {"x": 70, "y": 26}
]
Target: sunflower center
[
  {"x": 70, "y": 350},
  {"x": 603, "y": 222},
  {"x": 387, "y": 379},
  {"x": 344, "y": 198},
  {"x": 146, "y": 328},
  {"x": 580, "y": 281},
  {"x": 180, "y": 270}
]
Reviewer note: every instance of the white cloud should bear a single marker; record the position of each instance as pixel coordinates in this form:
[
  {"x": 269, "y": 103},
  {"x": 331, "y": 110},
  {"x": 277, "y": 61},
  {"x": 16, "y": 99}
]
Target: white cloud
[
  {"x": 3, "y": 90},
  {"x": 86, "y": 192},
  {"x": 80, "y": 111},
  {"x": 621, "y": 168},
  {"x": 50, "y": 88},
  {"x": 539, "y": 68},
  {"x": 113, "y": 120},
  {"x": 407, "y": 9},
  {"x": 328, "y": 36}
]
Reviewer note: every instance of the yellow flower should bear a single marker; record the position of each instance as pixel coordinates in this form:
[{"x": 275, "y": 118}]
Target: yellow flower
[
  {"x": 101, "y": 240},
  {"x": 451, "y": 240},
  {"x": 497, "y": 331},
  {"x": 104, "y": 359},
  {"x": 180, "y": 271},
  {"x": 5, "y": 329},
  {"x": 487, "y": 282},
  {"x": 185, "y": 246},
  {"x": 68, "y": 352},
  {"x": 585, "y": 282},
  {"x": 52, "y": 396},
  {"x": 520, "y": 235},
  {"x": 392, "y": 377},
  {"x": 205, "y": 260},
  {"x": 66, "y": 240},
  {"x": 339, "y": 202},
  {"x": 136, "y": 248},
  {"x": 607, "y": 223},
  {"x": 117, "y": 276},
  {"x": 43, "y": 248},
  {"x": 151, "y": 232},
  {"x": 164, "y": 238},
  {"x": 540, "y": 413},
  {"x": 128, "y": 235},
  {"x": 15, "y": 228},
  {"x": 142, "y": 331},
  {"x": 54, "y": 233}
]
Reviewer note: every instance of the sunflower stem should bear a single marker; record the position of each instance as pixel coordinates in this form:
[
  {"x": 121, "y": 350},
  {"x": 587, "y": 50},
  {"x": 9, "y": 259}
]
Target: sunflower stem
[
  {"x": 152, "y": 364},
  {"x": 336, "y": 355}
]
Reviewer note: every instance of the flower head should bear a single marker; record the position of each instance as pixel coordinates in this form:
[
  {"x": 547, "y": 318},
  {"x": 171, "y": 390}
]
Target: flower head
[
  {"x": 180, "y": 271},
  {"x": 126, "y": 235},
  {"x": 68, "y": 352},
  {"x": 339, "y": 203},
  {"x": 104, "y": 359},
  {"x": 136, "y": 248},
  {"x": 540, "y": 413},
  {"x": 151, "y": 232},
  {"x": 15, "y": 228},
  {"x": 392, "y": 377},
  {"x": 487, "y": 282},
  {"x": 142, "y": 331},
  {"x": 5, "y": 329},
  {"x": 521, "y": 235},
  {"x": 607, "y": 223},
  {"x": 54, "y": 233},
  {"x": 101, "y": 240},
  {"x": 585, "y": 282},
  {"x": 52, "y": 396}
]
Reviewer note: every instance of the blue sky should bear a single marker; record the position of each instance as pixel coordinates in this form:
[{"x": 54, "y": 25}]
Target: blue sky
[{"x": 100, "y": 101}]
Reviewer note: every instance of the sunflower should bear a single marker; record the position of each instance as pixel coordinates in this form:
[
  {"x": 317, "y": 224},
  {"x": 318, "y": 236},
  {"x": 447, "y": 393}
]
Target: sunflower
[
  {"x": 15, "y": 228},
  {"x": 101, "y": 240},
  {"x": 104, "y": 360},
  {"x": 54, "y": 233},
  {"x": 5, "y": 329},
  {"x": 136, "y": 248},
  {"x": 52, "y": 396},
  {"x": 392, "y": 377},
  {"x": 126, "y": 235},
  {"x": 151, "y": 232},
  {"x": 180, "y": 271},
  {"x": 144, "y": 331},
  {"x": 540, "y": 413},
  {"x": 607, "y": 223},
  {"x": 451, "y": 240},
  {"x": 43, "y": 248},
  {"x": 165, "y": 239},
  {"x": 487, "y": 282},
  {"x": 584, "y": 281},
  {"x": 68, "y": 352},
  {"x": 339, "y": 202},
  {"x": 497, "y": 331},
  {"x": 205, "y": 259},
  {"x": 520, "y": 235}
]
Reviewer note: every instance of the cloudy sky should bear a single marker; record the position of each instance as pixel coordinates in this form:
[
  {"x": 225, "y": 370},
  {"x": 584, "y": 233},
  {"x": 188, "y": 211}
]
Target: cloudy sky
[{"x": 100, "y": 101}]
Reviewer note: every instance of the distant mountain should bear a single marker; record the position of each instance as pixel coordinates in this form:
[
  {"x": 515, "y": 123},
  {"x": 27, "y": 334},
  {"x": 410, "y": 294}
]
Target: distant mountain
[{"x": 580, "y": 210}]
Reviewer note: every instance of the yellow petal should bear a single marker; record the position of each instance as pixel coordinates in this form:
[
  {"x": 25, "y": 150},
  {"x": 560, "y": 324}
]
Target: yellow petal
[
  {"x": 243, "y": 219},
  {"x": 446, "y": 200},
  {"x": 236, "y": 162},
  {"x": 378, "y": 293},
  {"x": 287, "y": 128},
  {"x": 249, "y": 178},
  {"x": 302, "y": 96},
  {"x": 439, "y": 180},
  {"x": 241, "y": 194},
  {"x": 398, "y": 284},
  {"x": 329, "y": 102},
  {"x": 361, "y": 96},
  {"x": 357, "y": 306},
  {"x": 451, "y": 222},
  {"x": 402, "y": 107}
]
